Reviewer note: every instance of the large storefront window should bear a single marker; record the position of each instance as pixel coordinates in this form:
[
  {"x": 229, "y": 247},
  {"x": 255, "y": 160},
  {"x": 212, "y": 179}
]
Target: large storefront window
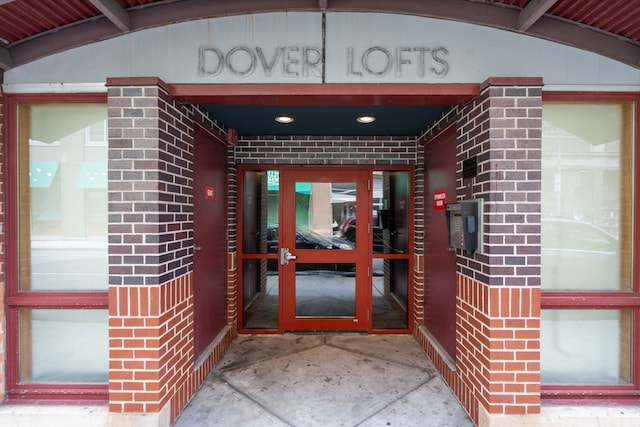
[
  {"x": 590, "y": 310},
  {"x": 59, "y": 274}
]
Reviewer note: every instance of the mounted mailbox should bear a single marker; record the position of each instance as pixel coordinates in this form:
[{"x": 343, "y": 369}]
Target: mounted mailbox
[{"x": 464, "y": 224}]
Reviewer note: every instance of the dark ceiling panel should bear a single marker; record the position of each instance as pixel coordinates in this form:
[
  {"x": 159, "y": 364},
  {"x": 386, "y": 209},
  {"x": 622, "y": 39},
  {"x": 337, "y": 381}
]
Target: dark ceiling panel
[{"x": 326, "y": 120}]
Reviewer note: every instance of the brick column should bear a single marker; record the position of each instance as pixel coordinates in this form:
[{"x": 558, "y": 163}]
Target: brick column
[
  {"x": 497, "y": 366},
  {"x": 498, "y": 292},
  {"x": 152, "y": 371}
]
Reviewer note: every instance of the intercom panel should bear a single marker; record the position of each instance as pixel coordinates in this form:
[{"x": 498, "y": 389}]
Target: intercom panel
[{"x": 464, "y": 225}]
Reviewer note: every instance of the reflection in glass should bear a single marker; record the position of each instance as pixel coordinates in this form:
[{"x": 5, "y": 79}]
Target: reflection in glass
[
  {"x": 260, "y": 195},
  {"x": 586, "y": 347},
  {"x": 64, "y": 346},
  {"x": 259, "y": 295},
  {"x": 587, "y": 172},
  {"x": 63, "y": 197},
  {"x": 390, "y": 212},
  {"x": 325, "y": 290},
  {"x": 325, "y": 215},
  {"x": 260, "y": 235},
  {"x": 390, "y": 293}
]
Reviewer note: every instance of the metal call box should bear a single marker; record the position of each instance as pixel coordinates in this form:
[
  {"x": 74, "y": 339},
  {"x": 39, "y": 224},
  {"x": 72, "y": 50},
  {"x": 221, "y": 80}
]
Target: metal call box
[{"x": 464, "y": 225}]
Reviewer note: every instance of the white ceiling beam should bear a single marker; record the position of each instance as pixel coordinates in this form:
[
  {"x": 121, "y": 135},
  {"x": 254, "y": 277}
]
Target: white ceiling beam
[
  {"x": 114, "y": 12},
  {"x": 532, "y": 12}
]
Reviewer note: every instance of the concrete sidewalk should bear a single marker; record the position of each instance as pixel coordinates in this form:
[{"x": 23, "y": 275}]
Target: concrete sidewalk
[{"x": 324, "y": 380}]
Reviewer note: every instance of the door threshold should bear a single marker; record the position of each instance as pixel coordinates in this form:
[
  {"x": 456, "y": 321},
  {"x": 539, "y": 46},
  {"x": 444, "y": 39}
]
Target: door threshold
[{"x": 304, "y": 332}]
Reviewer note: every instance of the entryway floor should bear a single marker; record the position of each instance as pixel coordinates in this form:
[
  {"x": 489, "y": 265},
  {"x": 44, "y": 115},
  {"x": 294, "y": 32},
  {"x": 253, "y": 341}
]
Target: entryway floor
[{"x": 324, "y": 380}]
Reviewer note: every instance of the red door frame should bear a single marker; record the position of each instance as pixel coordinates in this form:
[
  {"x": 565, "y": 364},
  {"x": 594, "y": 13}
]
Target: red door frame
[
  {"x": 366, "y": 260},
  {"x": 360, "y": 255}
]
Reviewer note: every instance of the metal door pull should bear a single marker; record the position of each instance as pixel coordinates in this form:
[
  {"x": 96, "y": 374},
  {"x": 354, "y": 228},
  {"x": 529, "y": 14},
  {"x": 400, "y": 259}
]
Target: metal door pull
[{"x": 285, "y": 256}]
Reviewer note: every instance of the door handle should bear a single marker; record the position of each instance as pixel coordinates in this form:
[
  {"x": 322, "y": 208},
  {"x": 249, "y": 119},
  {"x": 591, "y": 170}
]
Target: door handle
[
  {"x": 197, "y": 249},
  {"x": 285, "y": 256}
]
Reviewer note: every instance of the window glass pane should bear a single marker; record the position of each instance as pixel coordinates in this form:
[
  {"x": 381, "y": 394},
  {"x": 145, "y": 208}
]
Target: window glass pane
[
  {"x": 64, "y": 346},
  {"x": 319, "y": 205},
  {"x": 587, "y": 187},
  {"x": 260, "y": 294},
  {"x": 63, "y": 197},
  {"x": 325, "y": 290},
  {"x": 260, "y": 197},
  {"x": 390, "y": 293},
  {"x": 586, "y": 347}
]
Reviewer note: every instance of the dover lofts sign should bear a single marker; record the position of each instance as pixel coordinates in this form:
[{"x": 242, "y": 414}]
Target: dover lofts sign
[{"x": 303, "y": 61}]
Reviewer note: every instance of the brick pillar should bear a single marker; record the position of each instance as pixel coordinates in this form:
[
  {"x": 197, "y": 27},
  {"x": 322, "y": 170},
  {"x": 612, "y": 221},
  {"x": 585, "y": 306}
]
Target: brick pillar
[
  {"x": 497, "y": 368},
  {"x": 152, "y": 367},
  {"x": 150, "y": 288},
  {"x": 498, "y": 292}
]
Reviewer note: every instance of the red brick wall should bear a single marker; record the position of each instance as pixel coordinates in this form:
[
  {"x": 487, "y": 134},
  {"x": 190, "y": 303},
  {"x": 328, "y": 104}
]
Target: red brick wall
[
  {"x": 150, "y": 344},
  {"x": 151, "y": 348},
  {"x": 498, "y": 337}
]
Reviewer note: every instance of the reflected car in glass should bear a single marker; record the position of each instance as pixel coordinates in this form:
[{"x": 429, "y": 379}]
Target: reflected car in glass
[
  {"x": 347, "y": 229},
  {"x": 305, "y": 239},
  {"x": 578, "y": 255}
]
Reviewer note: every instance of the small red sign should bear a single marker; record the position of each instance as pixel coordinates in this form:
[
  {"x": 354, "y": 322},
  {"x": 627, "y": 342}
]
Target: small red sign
[
  {"x": 439, "y": 199},
  {"x": 208, "y": 192}
]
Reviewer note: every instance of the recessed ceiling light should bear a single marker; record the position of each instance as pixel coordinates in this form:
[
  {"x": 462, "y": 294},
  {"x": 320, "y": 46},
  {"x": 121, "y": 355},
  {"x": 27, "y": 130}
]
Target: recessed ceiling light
[
  {"x": 366, "y": 119},
  {"x": 284, "y": 119}
]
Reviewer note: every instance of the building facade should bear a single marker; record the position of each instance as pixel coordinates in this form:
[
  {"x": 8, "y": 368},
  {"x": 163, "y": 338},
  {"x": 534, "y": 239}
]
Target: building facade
[{"x": 141, "y": 225}]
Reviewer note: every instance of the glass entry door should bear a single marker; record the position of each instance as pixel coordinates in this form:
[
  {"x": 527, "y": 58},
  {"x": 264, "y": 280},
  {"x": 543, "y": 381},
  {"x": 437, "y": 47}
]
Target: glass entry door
[{"x": 324, "y": 274}]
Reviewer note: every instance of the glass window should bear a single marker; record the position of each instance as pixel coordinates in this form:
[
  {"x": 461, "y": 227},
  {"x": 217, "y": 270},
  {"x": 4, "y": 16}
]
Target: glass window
[
  {"x": 586, "y": 347},
  {"x": 63, "y": 198},
  {"x": 260, "y": 237},
  {"x": 390, "y": 234},
  {"x": 390, "y": 212},
  {"x": 587, "y": 175},
  {"x": 587, "y": 247},
  {"x": 64, "y": 346},
  {"x": 58, "y": 327}
]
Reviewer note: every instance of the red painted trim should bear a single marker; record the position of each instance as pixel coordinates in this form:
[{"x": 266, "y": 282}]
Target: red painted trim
[
  {"x": 601, "y": 300},
  {"x": 512, "y": 81},
  {"x": 594, "y": 96},
  {"x": 137, "y": 81},
  {"x": 62, "y": 300},
  {"x": 325, "y": 94},
  {"x": 324, "y": 324}
]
